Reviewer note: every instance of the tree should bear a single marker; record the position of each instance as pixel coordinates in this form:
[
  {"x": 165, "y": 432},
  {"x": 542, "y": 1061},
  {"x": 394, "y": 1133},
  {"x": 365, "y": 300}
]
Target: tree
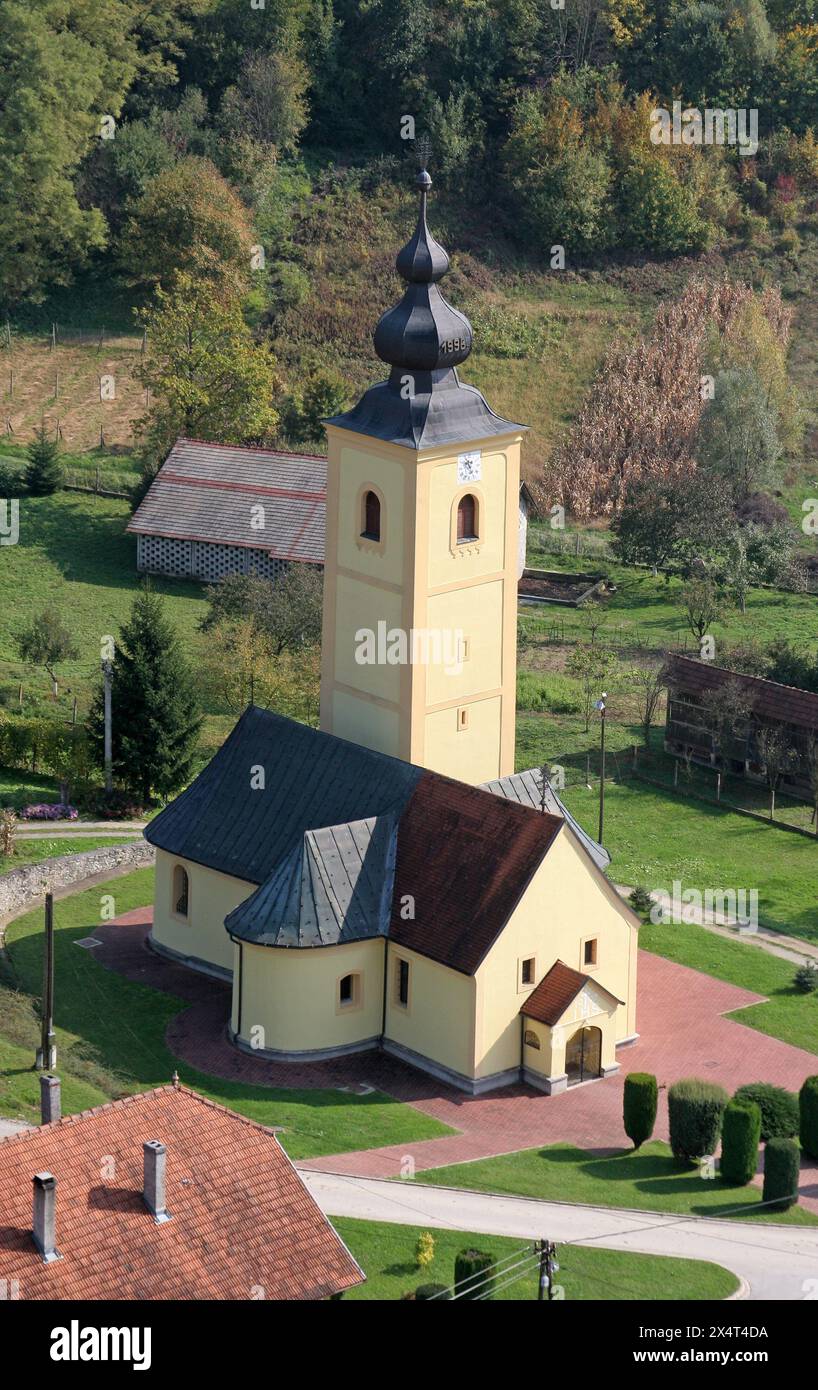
[
  {"x": 268, "y": 103},
  {"x": 156, "y": 722},
  {"x": 209, "y": 378},
  {"x": 639, "y": 1106},
  {"x": 594, "y": 668},
  {"x": 808, "y": 1116},
  {"x": 725, "y": 713},
  {"x": 649, "y": 685},
  {"x": 695, "y": 1109},
  {"x": 777, "y": 755},
  {"x": 702, "y": 605},
  {"x": 189, "y": 219},
  {"x": 325, "y": 394},
  {"x": 45, "y": 642},
  {"x": 740, "y": 1135},
  {"x": 287, "y": 612},
  {"x": 781, "y": 1170},
  {"x": 43, "y": 474},
  {"x": 646, "y": 529},
  {"x": 738, "y": 435}
]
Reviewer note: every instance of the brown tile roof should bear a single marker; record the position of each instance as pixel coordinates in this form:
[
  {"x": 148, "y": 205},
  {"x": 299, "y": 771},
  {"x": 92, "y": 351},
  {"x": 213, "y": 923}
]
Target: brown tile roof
[
  {"x": 205, "y": 492},
  {"x": 782, "y": 703},
  {"x": 466, "y": 857},
  {"x": 556, "y": 990},
  {"x": 241, "y": 1217}
]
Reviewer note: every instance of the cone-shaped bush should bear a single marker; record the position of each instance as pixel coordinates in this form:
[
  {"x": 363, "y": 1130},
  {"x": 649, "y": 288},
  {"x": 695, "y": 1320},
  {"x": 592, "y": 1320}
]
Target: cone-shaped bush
[
  {"x": 470, "y": 1274},
  {"x": 808, "y": 1108},
  {"x": 781, "y": 1166},
  {"x": 740, "y": 1133},
  {"x": 429, "y": 1291},
  {"x": 639, "y": 1106},
  {"x": 695, "y": 1109}
]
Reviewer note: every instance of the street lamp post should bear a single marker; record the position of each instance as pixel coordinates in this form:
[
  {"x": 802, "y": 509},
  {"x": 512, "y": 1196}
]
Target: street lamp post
[{"x": 600, "y": 704}]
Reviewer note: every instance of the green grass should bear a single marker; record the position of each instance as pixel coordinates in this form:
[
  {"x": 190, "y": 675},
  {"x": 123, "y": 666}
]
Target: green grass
[
  {"x": 787, "y": 1015},
  {"x": 650, "y": 1180},
  {"x": 19, "y": 789},
  {"x": 655, "y": 838},
  {"x": 386, "y": 1253},
  {"x": 28, "y": 851},
  {"x": 111, "y": 1041}
]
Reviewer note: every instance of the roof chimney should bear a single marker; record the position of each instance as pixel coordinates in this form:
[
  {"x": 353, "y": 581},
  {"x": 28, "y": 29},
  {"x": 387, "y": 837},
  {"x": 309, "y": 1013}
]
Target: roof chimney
[
  {"x": 50, "y": 1103},
  {"x": 45, "y": 1216},
  {"x": 153, "y": 1191}
]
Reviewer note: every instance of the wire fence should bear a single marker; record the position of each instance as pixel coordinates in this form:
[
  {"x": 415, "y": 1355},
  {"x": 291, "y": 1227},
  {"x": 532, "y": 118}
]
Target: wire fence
[{"x": 97, "y": 337}]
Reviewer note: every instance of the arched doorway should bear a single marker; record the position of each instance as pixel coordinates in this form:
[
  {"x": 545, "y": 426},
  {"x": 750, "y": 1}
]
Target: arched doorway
[{"x": 583, "y": 1055}]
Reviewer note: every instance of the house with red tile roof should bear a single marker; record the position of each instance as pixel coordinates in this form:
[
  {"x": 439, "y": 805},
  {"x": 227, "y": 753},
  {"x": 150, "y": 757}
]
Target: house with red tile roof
[{"x": 162, "y": 1195}]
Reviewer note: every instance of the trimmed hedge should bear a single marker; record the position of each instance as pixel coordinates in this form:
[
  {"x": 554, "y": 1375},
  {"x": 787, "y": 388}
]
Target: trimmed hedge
[
  {"x": 781, "y": 1168},
  {"x": 808, "y": 1114},
  {"x": 639, "y": 1106},
  {"x": 779, "y": 1109},
  {"x": 470, "y": 1274},
  {"x": 424, "y": 1292},
  {"x": 695, "y": 1109},
  {"x": 740, "y": 1134}
]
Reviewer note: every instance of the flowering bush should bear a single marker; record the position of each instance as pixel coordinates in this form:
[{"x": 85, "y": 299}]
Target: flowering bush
[{"x": 49, "y": 810}]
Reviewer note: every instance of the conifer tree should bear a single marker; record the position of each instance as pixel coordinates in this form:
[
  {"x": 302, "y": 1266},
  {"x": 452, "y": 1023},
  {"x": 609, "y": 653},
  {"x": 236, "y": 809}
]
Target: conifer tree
[
  {"x": 155, "y": 718},
  {"x": 43, "y": 473}
]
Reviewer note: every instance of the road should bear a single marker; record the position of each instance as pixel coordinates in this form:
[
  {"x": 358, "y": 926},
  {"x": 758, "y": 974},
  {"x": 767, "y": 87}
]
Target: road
[{"x": 774, "y": 1262}]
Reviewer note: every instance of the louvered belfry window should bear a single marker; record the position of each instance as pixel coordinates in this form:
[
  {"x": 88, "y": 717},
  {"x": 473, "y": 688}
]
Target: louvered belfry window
[{"x": 466, "y": 519}]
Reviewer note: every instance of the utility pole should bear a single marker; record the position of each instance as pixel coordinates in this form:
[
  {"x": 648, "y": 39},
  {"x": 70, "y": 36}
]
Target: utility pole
[
  {"x": 47, "y": 1051},
  {"x": 548, "y": 1268},
  {"x": 600, "y": 704},
  {"x": 107, "y": 668}
]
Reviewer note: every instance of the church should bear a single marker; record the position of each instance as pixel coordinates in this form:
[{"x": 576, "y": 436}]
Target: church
[{"x": 388, "y": 880}]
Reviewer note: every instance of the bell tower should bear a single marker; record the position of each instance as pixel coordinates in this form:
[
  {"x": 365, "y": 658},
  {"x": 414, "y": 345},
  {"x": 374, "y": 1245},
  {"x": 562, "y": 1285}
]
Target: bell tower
[{"x": 420, "y": 578}]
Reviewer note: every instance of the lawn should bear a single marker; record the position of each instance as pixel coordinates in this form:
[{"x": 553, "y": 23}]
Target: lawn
[
  {"x": 787, "y": 1015},
  {"x": 654, "y": 838},
  {"x": 19, "y": 789},
  {"x": 30, "y": 851},
  {"x": 386, "y": 1253},
  {"x": 111, "y": 1041},
  {"x": 650, "y": 1180}
]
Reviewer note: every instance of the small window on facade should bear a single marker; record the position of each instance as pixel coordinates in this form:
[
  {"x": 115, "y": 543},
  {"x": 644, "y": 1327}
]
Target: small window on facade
[
  {"x": 466, "y": 519},
  {"x": 462, "y": 719},
  {"x": 346, "y": 990},
  {"x": 527, "y": 971},
  {"x": 372, "y": 516},
  {"x": 531, "y": 1039},
  {"x": 403, "y": 983},
  {"x": 181, "y": 891},
  {"x": 590, "y": 952}
]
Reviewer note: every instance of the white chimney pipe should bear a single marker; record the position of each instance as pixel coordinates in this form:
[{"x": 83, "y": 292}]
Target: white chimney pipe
[
  {"x": 154, "y": 1158},
  {"x": 45, "y": 1216},
  {"x": 50, "y": 1102}
]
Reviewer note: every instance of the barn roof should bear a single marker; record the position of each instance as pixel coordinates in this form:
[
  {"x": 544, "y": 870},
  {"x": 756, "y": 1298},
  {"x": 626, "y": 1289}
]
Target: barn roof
[
  {"x": 213, "y": 493},
  {"x": 784, "y": 704},
  {"x": 241, "y": 1218}
]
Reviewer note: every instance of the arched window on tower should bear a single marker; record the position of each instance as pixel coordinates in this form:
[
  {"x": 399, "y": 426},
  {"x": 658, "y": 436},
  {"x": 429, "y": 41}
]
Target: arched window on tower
[
  {"x": 371, "y": 516},
  {"x": 466, "y": 519}
]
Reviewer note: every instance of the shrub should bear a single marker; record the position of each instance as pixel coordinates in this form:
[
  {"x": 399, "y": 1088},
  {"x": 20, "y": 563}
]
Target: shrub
[
  {"x": 805, "y": 979},
  {"x": 640, "y": 899},
  {"x": 43, "y": 473},
  {"x": 639, "y": 1106},
  {"x": 49, "y": 810},
  {"x": 695, "y": 1109},
  {"x": 423, "y": 1292},
  {"x": 740, "y": 1133},
  {"x": 779, "y": 1109},
  {"x": 11, "y": 483},
  {"x": 424, "y": 1249},
  {"x": 808, "y": 1108},
  {"x": 781, "y": 1165},
  {"x": 470, "y": 1274}
]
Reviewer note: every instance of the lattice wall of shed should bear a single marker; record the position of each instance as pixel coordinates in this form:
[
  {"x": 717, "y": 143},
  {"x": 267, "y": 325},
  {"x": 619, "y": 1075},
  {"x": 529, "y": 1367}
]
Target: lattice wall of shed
[{"x": 204, "y": 560}]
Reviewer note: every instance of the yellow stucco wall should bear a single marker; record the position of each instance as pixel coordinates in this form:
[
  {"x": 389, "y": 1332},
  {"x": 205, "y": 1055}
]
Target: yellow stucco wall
[
  {"x": 566, "y": 902},
  {"x": 211, "y": 896},
  {"x": 418, "y": 578},
  {"x": 439, "y": 1022},
  {"x": 289, "y": 996}
]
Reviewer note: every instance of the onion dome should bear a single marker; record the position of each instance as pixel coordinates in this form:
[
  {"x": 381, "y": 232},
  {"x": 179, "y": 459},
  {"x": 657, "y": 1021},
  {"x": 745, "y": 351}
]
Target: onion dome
[
  {"x": 423, "y": 332},
  {"x": 423, "y": 403}
]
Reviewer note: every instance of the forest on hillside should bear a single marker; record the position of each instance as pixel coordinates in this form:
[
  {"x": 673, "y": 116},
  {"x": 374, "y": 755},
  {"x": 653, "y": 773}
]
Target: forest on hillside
[{"x": 236, "y": 174}]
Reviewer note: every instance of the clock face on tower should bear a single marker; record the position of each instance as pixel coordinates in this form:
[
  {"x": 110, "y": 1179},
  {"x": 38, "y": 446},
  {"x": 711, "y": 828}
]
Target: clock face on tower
[{"x": 469, "y": 467}]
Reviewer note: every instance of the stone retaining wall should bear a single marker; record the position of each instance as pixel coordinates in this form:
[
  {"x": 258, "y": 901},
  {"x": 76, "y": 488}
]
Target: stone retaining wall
[{"x": 26, "y": 885}]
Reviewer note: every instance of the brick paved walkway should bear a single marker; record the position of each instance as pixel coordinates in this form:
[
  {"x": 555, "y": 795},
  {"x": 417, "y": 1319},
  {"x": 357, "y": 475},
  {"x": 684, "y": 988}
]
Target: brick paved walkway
[{"x": 680, "y": 1016}]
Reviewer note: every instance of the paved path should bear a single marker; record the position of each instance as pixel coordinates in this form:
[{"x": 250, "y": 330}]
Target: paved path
[
  {"x": 58, "y": 828},
  {"x": 32, "y": 828},
  {"x": 8, "y": 1127},
  {"x": 723, "y": 924},
  {"x": 776, "y": 1262}
]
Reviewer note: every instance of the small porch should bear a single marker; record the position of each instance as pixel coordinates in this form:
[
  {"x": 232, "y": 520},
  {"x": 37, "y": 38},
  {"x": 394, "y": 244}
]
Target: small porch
[{"x": 569, "y": 1031}]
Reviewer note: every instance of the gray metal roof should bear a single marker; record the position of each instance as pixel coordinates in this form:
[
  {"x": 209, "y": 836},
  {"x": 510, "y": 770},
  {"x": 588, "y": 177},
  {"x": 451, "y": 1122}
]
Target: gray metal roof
[
  {"x": 527, "y": 789},
  {"x": 213, "y": 492},
  {"x": 439, "y": 410},
  {"x": 311, "y": 780},
  {"x": 335, "y": 887}
]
